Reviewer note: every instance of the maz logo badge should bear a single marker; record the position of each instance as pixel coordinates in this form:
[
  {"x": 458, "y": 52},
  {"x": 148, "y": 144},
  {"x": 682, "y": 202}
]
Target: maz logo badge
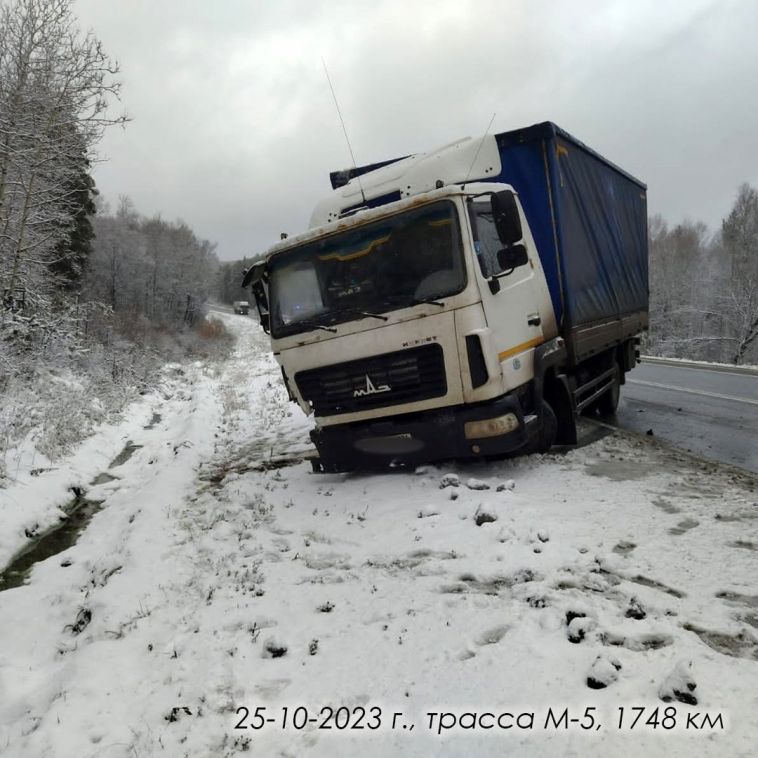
[{"x": 370, "y": 389}]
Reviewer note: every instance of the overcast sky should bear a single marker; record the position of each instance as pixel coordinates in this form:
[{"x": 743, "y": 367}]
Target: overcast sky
[{"x": 234, "y": 129}]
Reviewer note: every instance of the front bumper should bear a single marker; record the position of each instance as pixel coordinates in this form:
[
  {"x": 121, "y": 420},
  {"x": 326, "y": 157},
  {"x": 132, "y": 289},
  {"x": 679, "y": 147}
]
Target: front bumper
[{"x": 421, "y": 437}]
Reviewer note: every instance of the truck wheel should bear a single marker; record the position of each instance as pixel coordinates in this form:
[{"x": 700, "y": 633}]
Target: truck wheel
[
  {"x": 608, "y": 402},
  {"x": 549, "y": 431}
]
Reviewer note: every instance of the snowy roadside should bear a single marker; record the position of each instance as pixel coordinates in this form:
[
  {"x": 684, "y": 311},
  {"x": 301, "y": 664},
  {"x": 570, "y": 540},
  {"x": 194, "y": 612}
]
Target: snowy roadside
[
  {"x": 31, "y": 503},
  {"x": 605, "y": 578}
]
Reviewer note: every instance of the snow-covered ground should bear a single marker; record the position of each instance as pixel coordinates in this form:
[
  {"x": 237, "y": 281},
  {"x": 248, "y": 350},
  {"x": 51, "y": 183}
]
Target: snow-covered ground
[{"x": 215, "y": 590}]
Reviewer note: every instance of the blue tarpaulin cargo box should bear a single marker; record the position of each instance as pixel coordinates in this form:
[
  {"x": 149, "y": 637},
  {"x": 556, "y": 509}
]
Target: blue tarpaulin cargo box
[{"x": 589, "y": 221}]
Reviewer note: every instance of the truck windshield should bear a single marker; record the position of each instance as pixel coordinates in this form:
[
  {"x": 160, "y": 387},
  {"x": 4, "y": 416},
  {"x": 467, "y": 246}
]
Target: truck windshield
[{"x": 385, "y": 265}]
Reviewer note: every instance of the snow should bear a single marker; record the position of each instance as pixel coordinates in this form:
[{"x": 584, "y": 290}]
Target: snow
[
  {"x": 450, "y": 480},
  {"x": 603, "y": 672},
  {"x": 222, "y": 573},
  {"x": 429, "y": 510},
  {"x": 477, "y": 484},
  {"x": 679, "y": 684}
]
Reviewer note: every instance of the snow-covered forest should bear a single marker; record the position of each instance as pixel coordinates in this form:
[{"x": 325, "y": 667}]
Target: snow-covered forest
[
  {"x": 704, "y": 286},
  {"x": 93, "y": 302}
]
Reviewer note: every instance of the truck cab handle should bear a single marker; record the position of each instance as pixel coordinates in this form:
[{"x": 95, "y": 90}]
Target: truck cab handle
[{"x": 534, "y": 319}]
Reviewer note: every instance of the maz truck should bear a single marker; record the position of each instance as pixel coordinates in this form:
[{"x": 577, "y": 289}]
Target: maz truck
[{"x": 467, "y": 302}]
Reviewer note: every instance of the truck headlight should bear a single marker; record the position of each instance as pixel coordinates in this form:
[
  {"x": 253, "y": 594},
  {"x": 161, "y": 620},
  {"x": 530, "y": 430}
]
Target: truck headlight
[{"x": 490, "y": 427}]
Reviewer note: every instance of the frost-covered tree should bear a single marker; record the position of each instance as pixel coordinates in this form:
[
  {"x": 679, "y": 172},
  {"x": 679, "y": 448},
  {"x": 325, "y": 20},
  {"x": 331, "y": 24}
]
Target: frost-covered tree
[
  {"x": 739, "y": 300},
  {"x": 740, "y": 233},
  {"x": 150, "y": 268},
  {"x": 55, "y": 86},
  {"x": 680, "y": 265},
  {"x": 704, "y": 288},
  {"x": 73, "y": 251},
  {"x": 228, "y": 286}
]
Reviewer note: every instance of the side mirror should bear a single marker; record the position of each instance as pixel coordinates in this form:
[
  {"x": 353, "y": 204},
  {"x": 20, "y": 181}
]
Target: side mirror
[
  {"x": 512, "y": 257},
  {"x": 506, "y": 218},
  {"x": 254, "y": 274}
]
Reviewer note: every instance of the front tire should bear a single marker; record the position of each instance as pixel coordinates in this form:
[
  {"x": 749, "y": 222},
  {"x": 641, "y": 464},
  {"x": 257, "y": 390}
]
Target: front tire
[{"x": 548, "y": 432}]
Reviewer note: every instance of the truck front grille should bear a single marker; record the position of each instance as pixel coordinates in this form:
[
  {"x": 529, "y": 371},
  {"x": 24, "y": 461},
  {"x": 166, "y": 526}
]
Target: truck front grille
[{"x": 405, "y": 376}]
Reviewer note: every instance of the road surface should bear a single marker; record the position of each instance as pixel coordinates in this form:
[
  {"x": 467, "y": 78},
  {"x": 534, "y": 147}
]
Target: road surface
[{"x": 711, "y": 412}]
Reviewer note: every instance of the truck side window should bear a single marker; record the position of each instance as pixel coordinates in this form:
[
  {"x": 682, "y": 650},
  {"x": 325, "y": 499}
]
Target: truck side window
[{"x": 486, "y": 242}]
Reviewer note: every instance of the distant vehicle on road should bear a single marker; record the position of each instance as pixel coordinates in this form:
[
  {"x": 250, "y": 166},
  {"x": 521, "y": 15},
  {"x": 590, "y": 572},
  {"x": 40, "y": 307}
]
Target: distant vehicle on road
[{"x": 242, "y": 307}]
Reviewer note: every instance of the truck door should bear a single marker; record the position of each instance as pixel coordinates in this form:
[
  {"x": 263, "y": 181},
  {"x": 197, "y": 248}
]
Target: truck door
[{"x": 510, "y": 298}]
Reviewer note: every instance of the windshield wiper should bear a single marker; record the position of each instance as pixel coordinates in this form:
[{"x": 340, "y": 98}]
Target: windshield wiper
[
  {"x": 403, "y": 301},
  {"x": 373, "y": 315},
  {"x": 427, "y": 300},
  {"x": 367, "y": 314},
  {"x": 356, "y": 312},
  {"x": 313, "y": 325}
]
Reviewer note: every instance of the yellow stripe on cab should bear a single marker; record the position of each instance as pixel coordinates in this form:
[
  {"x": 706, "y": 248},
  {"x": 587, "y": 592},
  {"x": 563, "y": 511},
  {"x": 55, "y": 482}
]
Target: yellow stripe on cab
[{"x": 520, "y": 348}]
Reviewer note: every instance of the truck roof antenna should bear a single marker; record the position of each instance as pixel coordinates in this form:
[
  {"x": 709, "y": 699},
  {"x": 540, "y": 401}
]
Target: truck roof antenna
[
  {"x": 342, "y": 121},
  {"x": 481, "y": 142}
]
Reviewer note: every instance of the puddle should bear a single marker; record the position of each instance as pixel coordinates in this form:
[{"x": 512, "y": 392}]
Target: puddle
[
  {"x": 624, "y": 547},
  {"x": 490, "y": 586},
  {"x": 129, "y": 449},
  {"x": 744, "y": 544},
  {"x": 61, "y": 537},
  {"x": 103, "y": 478},
  {"x": 684, "y": 526},
  {"x": 737, "y": 645},
  {"x": 618, "y": 470},
  {"x": 664, "y": 505},
  {"x": 645, "y": 582},
  {"x": 751, "y": 601},
  {"x": 156, "y": 419},
  {"x": 727, "y": 519},
  {"x": 637, "y": 644}
]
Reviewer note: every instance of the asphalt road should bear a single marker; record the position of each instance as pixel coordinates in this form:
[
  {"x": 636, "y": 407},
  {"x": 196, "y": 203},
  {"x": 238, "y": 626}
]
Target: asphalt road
[{"x": 709, "y": 412}]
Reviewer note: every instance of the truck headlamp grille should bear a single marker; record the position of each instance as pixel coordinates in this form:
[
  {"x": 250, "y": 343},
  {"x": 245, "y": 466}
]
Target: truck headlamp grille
[{"x": 490, "y": 427}]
